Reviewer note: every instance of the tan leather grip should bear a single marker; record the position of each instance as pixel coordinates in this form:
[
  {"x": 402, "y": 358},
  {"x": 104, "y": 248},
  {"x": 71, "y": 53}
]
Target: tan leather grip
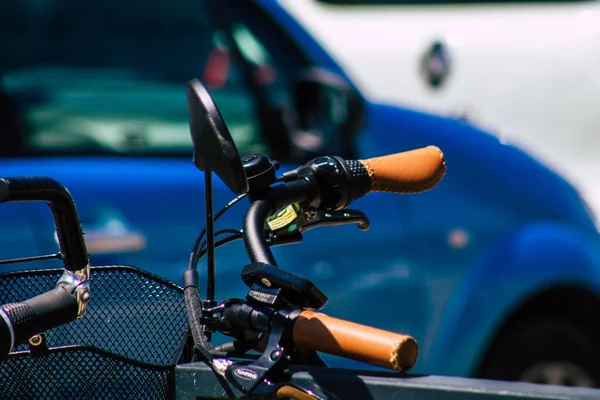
[
  {"x": 316, "y": 331},
  {"x": 407, "y": 172},
  {"x": 290, "y": 392}
]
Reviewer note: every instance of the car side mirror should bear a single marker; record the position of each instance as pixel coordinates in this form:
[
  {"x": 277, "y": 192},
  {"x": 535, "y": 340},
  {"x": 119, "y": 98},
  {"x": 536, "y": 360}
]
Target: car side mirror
[{"x": 329, "y": 111}]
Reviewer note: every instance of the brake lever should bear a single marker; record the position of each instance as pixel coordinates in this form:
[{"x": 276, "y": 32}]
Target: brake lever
[
  {"x": 292, "y": 231},
  {"x": 334, "y": 218}
]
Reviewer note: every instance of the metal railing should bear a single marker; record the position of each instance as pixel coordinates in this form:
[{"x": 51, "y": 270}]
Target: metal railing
[{"x": 197, "y": 381}]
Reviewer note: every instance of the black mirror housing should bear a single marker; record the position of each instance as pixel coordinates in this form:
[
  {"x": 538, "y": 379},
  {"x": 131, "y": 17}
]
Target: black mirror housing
[{"x": 214, "y": 149}]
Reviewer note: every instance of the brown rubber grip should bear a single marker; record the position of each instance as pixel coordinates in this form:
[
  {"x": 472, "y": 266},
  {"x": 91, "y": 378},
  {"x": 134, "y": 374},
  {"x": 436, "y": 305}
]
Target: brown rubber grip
[
  {"x": 290, "y": 392},
  {"x": 407, "y": 172},
  {"x": 316, "y": 331}
]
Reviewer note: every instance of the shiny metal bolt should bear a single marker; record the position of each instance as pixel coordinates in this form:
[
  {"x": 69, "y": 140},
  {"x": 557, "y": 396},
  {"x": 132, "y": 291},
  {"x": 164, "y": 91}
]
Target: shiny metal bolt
[
  {"x": 266, "y": 282},
  {"x": 85, "y": 297},
  {"x": 275, "y": 355},
  {"x": 310, "y": 214},
  {"x": 35, "y": 340}
]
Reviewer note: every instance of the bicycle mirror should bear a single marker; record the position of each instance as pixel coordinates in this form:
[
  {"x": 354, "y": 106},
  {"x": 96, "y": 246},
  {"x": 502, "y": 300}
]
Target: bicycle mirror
[{"x": 214, "y": 149}]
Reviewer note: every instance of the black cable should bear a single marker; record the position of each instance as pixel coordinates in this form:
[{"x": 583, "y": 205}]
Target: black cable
[
  {"x": 221, "y": 212},
  {"x": 193, "y": 256},
  {"x": 231, "y": 238},
  {"x": 193, "y": 301},
  {"x": 197, "y": 245},
  {"x": 234, "y": 232}
]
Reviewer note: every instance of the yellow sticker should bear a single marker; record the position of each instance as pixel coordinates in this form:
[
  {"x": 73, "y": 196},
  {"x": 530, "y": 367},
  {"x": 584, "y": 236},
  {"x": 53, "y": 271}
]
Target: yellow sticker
[{"x": 283, "y": 218}]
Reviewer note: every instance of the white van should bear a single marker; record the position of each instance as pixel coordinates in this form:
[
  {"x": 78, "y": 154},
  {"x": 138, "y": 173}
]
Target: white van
[{"x": 527, "y": 70}]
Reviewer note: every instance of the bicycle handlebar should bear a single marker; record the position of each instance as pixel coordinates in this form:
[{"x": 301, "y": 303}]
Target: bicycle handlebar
[
  {"x": 315, "y": 331},
  {"x": 20, "y": 321},
  {"x": 68, "y": 300},
  {"x": 331, "y": 183},
  {"x": 66, "y": 219}
]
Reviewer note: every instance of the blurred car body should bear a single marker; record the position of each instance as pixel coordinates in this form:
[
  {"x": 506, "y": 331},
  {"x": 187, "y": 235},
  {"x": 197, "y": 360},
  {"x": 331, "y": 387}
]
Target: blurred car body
[
  {"x": 94, "y": 96},
  {"x": 526, "y": 70}
]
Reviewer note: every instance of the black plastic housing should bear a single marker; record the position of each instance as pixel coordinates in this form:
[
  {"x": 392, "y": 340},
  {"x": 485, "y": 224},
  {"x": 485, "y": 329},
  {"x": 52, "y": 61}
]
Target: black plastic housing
[
  {"x": 271, "y": 281},
  {"x": 260, "y": 171}
]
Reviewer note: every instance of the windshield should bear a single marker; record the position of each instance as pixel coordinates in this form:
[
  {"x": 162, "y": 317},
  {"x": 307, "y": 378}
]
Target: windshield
[{"x": 108, "y": 76}]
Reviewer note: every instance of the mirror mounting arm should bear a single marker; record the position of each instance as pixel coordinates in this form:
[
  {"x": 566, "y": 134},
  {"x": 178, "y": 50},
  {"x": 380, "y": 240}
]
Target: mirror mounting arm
[{"x": 210, "y": 234}]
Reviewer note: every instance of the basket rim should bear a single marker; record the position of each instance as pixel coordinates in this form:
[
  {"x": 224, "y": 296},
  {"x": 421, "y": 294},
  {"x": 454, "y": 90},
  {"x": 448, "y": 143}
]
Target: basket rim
[
  {"x": 90, "y": 349},
  {"x": 127, "y": 268}
]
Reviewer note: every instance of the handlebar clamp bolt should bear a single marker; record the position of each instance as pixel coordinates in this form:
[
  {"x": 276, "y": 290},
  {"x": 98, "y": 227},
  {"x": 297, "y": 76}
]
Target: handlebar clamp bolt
[
  {"x": 275, "y": 355},
  {"x": 35, "y": 340},
  {"x": 85, "y": 297},
  {"x": 310, "y": 214},
  {"x": 266, "y": 282}
]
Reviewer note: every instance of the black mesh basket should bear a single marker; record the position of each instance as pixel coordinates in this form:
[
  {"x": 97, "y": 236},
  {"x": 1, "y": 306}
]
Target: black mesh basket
[{"x": 124, "y": 347}]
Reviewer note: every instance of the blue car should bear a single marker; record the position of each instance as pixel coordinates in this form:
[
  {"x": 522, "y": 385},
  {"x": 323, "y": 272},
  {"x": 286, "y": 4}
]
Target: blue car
[{"x": 495, "y": 272}]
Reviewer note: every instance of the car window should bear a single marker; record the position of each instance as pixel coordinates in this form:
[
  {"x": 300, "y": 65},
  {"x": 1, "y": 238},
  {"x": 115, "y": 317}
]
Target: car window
[{"x": 108, "y": 77}]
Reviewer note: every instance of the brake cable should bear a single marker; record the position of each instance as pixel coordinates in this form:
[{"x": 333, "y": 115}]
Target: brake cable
[
  {"x": 234, "y": 235},
  {"x": 194, "y": 257}
]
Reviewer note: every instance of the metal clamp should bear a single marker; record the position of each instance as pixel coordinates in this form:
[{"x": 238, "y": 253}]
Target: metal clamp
[{"x": 80, "y": 280}]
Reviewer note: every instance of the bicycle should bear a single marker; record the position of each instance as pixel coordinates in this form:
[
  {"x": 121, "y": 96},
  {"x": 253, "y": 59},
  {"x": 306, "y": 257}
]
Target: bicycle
[{"x": 127, "y": 341}]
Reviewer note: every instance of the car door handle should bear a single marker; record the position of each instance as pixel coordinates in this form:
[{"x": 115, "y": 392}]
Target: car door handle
[
  {"x": 102, "y": 241},
  {"x": 111, "y": 237}
]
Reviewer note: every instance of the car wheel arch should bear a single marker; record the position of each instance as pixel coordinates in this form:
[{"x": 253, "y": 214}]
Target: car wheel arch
[
  {"x": 571, "y": 303},
  {"x": 518, "y": 268}
]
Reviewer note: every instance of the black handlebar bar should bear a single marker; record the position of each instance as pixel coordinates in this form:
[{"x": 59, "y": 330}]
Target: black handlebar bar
[
  {"x": 254, "y": 239},
  {"x": 20, "y": 321},
  {"x": 67, "y": 301},
  {"x": 261, "y": 207},
  {"x": 66, "y": 219},
  {"x": 332, "y": 183}
]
